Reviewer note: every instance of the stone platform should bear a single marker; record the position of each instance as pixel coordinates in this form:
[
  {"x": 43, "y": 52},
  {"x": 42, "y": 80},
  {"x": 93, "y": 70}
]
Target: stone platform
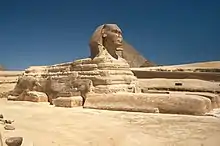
[{"x": 151, "y": 103}]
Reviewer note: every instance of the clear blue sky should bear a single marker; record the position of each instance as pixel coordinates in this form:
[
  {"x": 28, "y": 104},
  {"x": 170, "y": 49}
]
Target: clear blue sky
[{"x": 39, "y": 32}]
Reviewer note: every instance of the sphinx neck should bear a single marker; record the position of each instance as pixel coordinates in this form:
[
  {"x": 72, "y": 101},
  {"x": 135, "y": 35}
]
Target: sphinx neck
[{"x": 110, "y": 48}]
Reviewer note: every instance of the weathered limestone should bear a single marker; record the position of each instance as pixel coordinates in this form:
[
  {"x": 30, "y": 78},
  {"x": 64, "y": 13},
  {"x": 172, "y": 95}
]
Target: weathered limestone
[
  {"x": 166, "y": 103},
  {"x": 47, "y": 88},
  {"x": 101, "y": 36},
  {"x": 8, "y": 80},
  {"x": 143, "y": 73},
  {"x": 74, "y": 101},
  {"x": 187, "y": 86},
  {"x": 192, "y": 85},
  {"x": 109, "y": 72},
  {"x": 34, "y": 96},
  {"x": 29, "y": 83}
]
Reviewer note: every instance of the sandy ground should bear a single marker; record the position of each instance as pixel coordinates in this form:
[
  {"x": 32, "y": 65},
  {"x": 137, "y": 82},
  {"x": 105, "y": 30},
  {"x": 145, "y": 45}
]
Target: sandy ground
[{"x": 45, "y": 125}]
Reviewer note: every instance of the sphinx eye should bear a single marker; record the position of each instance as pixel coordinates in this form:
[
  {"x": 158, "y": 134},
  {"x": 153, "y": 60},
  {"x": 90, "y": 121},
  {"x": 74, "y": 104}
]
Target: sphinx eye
[{"x": 114, "y": 30}]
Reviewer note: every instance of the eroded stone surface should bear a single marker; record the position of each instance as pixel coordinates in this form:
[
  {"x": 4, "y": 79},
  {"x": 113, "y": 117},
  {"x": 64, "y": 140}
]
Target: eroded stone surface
[
  {"x": 166, "y": 103},
  {"x": 74, "y": 101},
  {"x": 34, "y": 96}
]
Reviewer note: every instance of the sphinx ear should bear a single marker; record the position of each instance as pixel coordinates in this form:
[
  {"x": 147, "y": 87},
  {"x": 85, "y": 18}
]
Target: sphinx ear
[{"x": 103, "y": 33}]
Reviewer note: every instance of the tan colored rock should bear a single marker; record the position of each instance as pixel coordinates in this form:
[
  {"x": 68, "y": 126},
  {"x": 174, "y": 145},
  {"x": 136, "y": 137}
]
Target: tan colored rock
[
  {"x": 35, "y": 96},
  {"x": 166, "y": 103},
  {"x": 81, "y": 61},
  {"x": 207, "y": 76},
  {"x": 105, "y": 89},
  {"x": 85, "y": 67},
  {"x": 179, "y": 85},
  {"x": 13, "y": 98},
  {"x": 110, "y": 80},
  {"x": 215, "y": 98},
  {"x": 14, "y": 141},
  {"x": 113, "y": 72},
  {"x": 74, "y": 101},
  {"x": 8, "y": 80}
]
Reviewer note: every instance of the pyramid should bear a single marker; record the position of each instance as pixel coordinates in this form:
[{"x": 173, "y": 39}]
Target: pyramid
[{"x": 134, "y": 58}]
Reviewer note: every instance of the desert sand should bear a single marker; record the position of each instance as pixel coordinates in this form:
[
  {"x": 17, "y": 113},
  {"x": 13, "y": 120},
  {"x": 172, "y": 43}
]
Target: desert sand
[{"x": 43, "y": 125}]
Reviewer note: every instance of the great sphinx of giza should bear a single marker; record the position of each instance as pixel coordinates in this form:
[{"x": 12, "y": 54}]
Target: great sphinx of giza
[
  {"x": 112, "y": 84},
  {"x": 116, "y": 88}
]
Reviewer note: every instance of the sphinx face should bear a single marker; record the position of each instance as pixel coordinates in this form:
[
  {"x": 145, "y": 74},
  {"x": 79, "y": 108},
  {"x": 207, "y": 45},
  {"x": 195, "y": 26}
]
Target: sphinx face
[{"x": 113, "y": 35}]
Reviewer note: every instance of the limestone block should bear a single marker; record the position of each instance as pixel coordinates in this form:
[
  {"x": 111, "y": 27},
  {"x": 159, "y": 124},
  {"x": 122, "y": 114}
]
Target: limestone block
[
  {"x": 35, "y": 96},
  {"x": 85, "y": 67},
  {"x": 90, "y": 73},
  {"x": 113, "y": 80},
  {"x": 82, "y": 61},
  {"x": 112, "y": 66},
  {"x": 215, "y": 98},
  {"x": 104, "y": 89},
  {"x": 73, "y": 101},
  {"x": 179, "y": 85},
  {"x": 57, "y": 69},
  {"x": 106, "y": 72},
  {"x": 116, "y": 72},
  {"x": 166, "y": 103}
]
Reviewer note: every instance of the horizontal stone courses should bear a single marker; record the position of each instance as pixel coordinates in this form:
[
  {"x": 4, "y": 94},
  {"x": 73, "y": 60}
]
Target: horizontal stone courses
[
  {"x": 176, "y": 75},
  {"x": 4, "y": 82},
  {"x": 180, "y": 85},
  {"x": 84, "y": 67},
  {"x": 106, "y": 72},
  {"x": 10, "y": 73}
]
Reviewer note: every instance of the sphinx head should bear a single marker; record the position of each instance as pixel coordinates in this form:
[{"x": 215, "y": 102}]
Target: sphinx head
[
  {"x": 111, "y": 36},
  {"x": 108, "y": 35}
]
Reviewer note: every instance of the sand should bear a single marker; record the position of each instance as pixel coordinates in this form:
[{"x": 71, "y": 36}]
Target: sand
[{"x": 44, "y": 125}]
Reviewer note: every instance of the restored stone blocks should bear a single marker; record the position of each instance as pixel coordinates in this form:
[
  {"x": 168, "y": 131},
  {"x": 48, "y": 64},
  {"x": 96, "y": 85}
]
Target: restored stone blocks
[
  {"x": 73, "y": 101},
  {"x": 166, "y": 103},
  {"x": 34, "y": 96}
]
